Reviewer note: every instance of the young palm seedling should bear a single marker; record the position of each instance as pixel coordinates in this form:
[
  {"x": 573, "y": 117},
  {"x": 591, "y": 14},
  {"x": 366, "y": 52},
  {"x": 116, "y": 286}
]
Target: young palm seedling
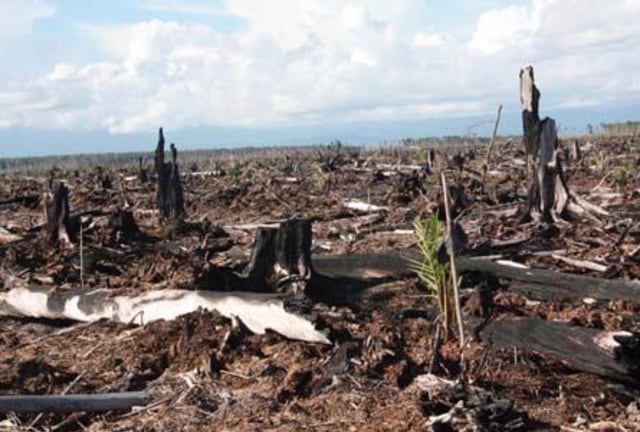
[{"x": 434, "y": 275}]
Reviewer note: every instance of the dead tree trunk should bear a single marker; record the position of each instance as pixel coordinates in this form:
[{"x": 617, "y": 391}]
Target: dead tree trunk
[
  {"x": 548, "y": 196},
  {"x": 57, "y": 228},
  {"x": 170, "y": 197},
  {"x": 281, "y": 258}
]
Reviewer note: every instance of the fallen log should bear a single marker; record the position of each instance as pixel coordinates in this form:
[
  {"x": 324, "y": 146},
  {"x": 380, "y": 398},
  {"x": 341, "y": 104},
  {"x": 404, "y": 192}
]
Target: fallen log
[
  {"x": 540, "y": 284},
  {"x": 30, "y": 201},
  {"x": 25, "y": 404},
  {"x": 612, "y": 355},
  {"x": 365, "y": 266},
  {"x": 259, "y": 312},
  {"x": 547, "y": 284}
]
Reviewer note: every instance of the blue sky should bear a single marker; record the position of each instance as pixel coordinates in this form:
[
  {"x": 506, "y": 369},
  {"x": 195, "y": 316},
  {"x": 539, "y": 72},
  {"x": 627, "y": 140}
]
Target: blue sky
[{"x": 85, "y": 76}]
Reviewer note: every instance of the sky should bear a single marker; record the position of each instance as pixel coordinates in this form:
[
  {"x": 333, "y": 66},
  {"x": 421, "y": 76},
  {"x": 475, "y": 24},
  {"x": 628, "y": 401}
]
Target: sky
[{"x": 88, "y": 76}]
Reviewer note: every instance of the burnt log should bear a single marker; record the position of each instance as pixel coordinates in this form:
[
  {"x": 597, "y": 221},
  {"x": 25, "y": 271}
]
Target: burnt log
[
  {"x": 281, "y": 257},
  {"x": 539, "y": 284},
  {"x": 29, "y": 201},
  {"x": 170, "y": 196},
  {"x": 614, "y": 355},
  {"x": 548, "y": 284}
]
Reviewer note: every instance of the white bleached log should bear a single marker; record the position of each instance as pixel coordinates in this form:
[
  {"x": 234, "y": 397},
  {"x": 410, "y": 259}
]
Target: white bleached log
[
  {"x": 364, "y": 207},
  {"x": 259, "y": 312}
]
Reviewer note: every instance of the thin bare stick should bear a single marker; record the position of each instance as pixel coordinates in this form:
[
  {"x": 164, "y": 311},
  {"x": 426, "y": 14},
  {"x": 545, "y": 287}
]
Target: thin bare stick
[
  {"x": 452, "y": 258},
  {"x": 81, "y": 256},
  {"x": 59, "y": 333},
  {"x": 485, "y": 168}
]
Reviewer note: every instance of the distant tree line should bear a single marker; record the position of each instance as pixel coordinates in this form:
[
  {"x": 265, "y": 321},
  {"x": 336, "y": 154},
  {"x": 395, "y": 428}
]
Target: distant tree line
[
  {"x": 621, "y": 128},
  {"x": 190, "y": 159}
]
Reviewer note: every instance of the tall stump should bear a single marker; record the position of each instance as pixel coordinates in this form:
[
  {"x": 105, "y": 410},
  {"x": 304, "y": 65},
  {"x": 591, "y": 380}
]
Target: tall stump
[
  {"x": 548, "y": 196},
  {"x": 169, "y": 197},
  {"x": 57, "y": 231}
]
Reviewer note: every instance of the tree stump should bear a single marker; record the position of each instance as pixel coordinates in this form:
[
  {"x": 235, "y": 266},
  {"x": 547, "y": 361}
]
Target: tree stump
[
  {"x": 281, "y": 258},
  {"x": 576, "y": 153},
  {"x": 170, "y": 197},
  {"x": 430, "y": 167},
  {"x": 548, "y": 196},
  {"x": 142, "y": 171},
  {"x": 57, "y": 229},
  {"x": 124, "y": 227}
]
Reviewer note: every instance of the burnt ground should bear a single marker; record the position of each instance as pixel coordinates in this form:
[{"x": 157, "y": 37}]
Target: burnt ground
[{"x": 202, "y": 372}]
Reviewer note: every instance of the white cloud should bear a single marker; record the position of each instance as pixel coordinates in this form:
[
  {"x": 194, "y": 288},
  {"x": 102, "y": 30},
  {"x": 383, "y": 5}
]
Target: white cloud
[
  {"x": 182, "y": 7},
  {"x": 297, "y": 62},
  {"x": 17, "y": 16},
  {"x": 501, "y": 29},
  {"x": 428, "y": 40}
]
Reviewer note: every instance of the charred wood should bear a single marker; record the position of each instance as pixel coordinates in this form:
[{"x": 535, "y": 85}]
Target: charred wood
[
  {"x": 614, "y": 355},
  {"x": 281, "y": 258},
  {"x": 170, "y": 196},
  {"x": 58, "y": 227}
]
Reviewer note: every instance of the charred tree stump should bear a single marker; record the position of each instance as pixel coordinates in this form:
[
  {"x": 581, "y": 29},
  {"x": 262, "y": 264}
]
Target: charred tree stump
[
  {"x": 430, "y": 167},
  {"x": 281, "y": 258},
  {"x": 143, "y": 176},
  {"x": 57, "y": 229},
  {"x": 548, "y": 196},
  {"x": 170, "y": 197},
  {"x": 576, "y": 153},
  {"x": 124, "y": 228}
]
